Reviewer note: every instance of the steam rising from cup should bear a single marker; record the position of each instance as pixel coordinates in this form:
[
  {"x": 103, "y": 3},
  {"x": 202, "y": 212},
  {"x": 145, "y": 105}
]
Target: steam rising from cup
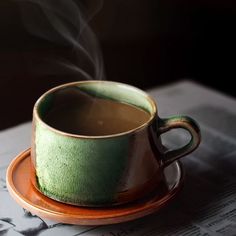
[{"x": 65, "y": 23}]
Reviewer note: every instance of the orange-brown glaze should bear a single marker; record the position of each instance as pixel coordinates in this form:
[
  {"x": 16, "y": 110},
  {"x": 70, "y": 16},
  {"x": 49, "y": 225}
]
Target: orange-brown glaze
[{"x": 23, "y": 191}]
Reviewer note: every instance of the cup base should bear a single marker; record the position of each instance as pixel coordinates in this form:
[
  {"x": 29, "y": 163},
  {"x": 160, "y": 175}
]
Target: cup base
[{"x": 123, "y": 197}]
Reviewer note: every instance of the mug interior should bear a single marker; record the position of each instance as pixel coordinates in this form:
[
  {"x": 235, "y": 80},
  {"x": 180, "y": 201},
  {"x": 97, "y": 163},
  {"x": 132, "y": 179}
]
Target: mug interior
[{"x": 76, "y": 93}]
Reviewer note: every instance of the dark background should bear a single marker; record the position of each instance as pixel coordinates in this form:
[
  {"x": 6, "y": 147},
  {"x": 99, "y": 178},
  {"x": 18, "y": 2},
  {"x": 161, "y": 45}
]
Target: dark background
[{"x": 144, "y": 43}]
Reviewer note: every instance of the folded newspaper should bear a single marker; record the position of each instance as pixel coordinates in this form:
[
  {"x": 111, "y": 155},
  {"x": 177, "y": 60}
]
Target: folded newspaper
[{"x": 205, "y": 206}]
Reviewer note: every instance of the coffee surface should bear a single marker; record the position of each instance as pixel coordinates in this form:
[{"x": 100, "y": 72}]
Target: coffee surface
[{"x": 96, "y": 117}]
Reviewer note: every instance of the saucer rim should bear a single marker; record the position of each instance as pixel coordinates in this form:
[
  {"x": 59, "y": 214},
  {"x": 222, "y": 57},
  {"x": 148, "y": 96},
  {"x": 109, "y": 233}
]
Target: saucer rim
[{"x": 125, "y": 215}]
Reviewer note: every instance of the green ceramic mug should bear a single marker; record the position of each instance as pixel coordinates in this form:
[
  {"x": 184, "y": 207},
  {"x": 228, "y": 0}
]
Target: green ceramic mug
[{"x": 100, "y": 170}]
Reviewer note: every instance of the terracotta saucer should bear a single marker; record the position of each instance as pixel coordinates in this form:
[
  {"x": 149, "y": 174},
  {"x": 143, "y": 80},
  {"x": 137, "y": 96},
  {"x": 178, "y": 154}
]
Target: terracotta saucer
[{"x": 21, "y": 189}]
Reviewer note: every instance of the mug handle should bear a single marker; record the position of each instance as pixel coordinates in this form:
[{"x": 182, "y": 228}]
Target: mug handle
[{"x": 184, "y": 122}]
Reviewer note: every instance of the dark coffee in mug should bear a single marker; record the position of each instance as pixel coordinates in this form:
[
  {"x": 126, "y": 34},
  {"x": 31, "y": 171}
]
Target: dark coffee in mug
[{"x": 96, "y": 116}]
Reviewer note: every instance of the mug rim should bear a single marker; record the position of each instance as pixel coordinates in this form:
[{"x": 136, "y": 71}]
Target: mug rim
[{"x": 63, "y": 133}]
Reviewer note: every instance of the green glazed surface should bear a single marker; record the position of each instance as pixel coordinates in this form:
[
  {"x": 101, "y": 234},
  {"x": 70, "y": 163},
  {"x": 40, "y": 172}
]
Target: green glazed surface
[
  {"x": 120, "y": 92},
  {"x": 84, "y": 171}
]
